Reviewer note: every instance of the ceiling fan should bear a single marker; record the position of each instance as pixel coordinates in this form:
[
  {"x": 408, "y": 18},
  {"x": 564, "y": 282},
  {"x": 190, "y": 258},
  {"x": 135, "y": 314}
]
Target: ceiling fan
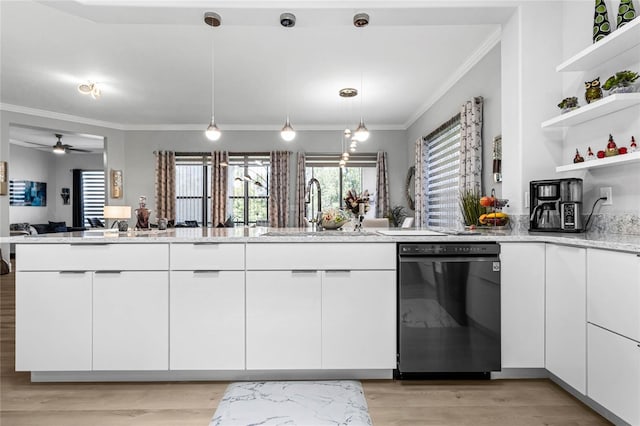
[{"x": 63, "y": 148}]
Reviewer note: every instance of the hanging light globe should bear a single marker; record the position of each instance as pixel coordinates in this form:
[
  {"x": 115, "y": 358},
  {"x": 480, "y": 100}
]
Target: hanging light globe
[
  {"x": 287, "y": 133},
  {"x": 213, "y": 132},
  {"x": 362, "y": 133}
]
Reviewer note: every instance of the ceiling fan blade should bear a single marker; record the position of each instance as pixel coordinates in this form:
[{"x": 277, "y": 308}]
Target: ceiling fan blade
[{"x": 76, "y": 149}]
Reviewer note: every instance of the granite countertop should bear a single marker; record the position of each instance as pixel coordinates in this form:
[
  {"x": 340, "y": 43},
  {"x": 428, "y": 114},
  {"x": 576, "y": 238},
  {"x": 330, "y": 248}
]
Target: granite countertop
[{"x": 622, "y": 242}]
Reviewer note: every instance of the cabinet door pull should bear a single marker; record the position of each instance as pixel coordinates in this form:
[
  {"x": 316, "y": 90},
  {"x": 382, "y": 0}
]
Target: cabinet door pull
[
  {"x": 72, "y": 272},
  {"x": 207, "y": 271},
  {"x": 88, "y": 244},
  {"x": 304, "y": 271},
  {"x": 108, "y": 272},
  {"x": 338, "y": 271},
  {"x": 205, "y": 243}
]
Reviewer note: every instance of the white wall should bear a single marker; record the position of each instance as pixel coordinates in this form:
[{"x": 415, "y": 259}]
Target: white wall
[
  {"x": 34, "y": 165},
  {"x": 624, "y": 180},
  {"x": 140, "y": 161},
  {"x": 484, "y": 79}
]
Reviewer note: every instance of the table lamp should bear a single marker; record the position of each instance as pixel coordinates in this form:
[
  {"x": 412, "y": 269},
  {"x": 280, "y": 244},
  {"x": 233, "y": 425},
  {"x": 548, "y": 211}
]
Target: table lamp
[{"x": 118, "y": 213}]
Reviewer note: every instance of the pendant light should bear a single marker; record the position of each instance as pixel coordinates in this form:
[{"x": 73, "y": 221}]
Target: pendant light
[
  {"x": 287, "y": 20},
  {"x": 361, "y": 20},
  {"x": 213, "y": 132}
]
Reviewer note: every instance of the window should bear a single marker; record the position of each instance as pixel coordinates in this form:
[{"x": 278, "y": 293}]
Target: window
[
  {"x": 249, "y": 189},
  {"x": 360, "y": 174},
  {"x": 193, "y": 191},
  {"x": 92, "y": 194},
  {"x": 441, "y": 171}
]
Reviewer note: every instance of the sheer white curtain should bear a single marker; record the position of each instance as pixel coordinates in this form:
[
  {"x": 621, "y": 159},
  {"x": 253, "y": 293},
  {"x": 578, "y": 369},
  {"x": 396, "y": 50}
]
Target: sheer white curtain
[{"x": 471, "y": 145}]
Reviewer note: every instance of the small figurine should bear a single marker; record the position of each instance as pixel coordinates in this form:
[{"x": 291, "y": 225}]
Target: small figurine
[
  {"x": 612, "y": 149},
  {"x": 578, "y": 158},
  {"x": 593, "y": 90},
  {"x": 590, "y": 155},
  {"x": 600, "y": 154},
  {"x": 633, "y": 147}
]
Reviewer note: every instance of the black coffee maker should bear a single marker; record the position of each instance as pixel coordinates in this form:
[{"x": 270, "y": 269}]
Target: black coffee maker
[{"x": 555, "y": 205}]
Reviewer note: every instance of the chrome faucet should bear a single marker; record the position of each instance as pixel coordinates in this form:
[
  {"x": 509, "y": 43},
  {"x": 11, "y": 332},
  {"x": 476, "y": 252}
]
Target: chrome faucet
[{"x": 319, "y": 194}]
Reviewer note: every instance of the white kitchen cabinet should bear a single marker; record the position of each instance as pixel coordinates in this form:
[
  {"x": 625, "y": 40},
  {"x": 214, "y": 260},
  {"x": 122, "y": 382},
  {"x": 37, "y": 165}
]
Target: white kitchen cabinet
[
  {"x": 565, "y": 328},
  {"x": 522, "y": 304},
  {"x": 358, "y": 319},
  {"x": 207, "y": 320},
  {"x": 614, "y": 373},
  {"x": 130, "y": 320},
  {"x": 283, "y": 311},
  {"x": 53, "y": 321},
  {"x": 613, "y": 291}
]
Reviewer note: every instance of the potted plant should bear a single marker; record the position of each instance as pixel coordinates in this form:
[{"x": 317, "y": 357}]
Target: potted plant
[
  {"x": 470, "y": 207},
  {"x": 396, "y": 215},
  {"x": 568, "y": 104},
  {"x": 621, "y": 82}
]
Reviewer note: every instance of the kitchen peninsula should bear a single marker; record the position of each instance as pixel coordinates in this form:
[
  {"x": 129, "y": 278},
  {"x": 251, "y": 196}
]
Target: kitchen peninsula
[{"x": 239, "y": 303}]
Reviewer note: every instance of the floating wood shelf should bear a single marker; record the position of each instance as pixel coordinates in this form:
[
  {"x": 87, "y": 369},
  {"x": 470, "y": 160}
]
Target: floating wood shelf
[
  {"x": 599, "y": 108},
  {"x": 601, "y": 162},
  {"x": 619, "y": 41}
]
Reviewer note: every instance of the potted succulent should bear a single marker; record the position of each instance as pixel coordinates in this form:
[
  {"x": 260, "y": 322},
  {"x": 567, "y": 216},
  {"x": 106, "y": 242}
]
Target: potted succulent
[
  {"x": 621, "y": 82},
  {"x": 568, "y": 104}
]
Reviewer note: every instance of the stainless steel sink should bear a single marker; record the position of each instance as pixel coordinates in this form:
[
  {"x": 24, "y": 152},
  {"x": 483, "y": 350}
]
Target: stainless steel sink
[{"x": 326, "y": 233}]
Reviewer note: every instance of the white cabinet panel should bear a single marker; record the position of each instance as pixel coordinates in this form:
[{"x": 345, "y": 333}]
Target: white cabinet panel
[
  {"x": 614, "y": 373},
  {"x": 53, "y": 321},
  {"x": 207, "y": 320},
  {"x": 207, "y": 256},
  {"x": 358, "y": 319},
  {"x": 613, "y": 291},
  {"x": 131, "y": 321},
  {"x": 566, "y": 314},
  {"x": 92, "y": 257},
  {"x": 522, "y": 305},
  {"x": 283, "y": 320},
  {"x": 322, "y": 256}
]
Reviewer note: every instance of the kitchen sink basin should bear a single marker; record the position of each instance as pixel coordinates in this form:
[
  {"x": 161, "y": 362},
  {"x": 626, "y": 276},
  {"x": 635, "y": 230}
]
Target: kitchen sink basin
[{"x": 327, "y": 233}]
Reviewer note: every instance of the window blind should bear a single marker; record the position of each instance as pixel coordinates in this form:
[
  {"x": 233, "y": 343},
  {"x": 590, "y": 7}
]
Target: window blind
[
  {"x": 442, "y": 174},
  {"x": 93, "y": 193}
]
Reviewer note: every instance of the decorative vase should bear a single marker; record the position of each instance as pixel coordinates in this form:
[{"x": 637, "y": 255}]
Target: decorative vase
[
  {"x": 601, "y": 26},
  {"x": 626, "y": 13},
  {"x": 622, "y": 89}
]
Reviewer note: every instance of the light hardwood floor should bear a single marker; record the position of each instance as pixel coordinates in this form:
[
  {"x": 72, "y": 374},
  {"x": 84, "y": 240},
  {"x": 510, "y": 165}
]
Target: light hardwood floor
[{"x": 497, "y": 402}]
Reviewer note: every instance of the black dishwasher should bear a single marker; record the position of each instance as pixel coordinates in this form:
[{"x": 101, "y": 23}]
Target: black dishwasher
[{"x": 448, "y": 310}]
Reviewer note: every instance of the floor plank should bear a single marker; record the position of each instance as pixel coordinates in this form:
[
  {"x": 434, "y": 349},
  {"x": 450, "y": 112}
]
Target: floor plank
[{"x": 391, "y": 403}]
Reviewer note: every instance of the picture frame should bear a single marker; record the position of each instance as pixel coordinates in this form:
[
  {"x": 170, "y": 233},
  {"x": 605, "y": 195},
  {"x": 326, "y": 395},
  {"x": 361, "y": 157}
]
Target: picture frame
[
  {"x": 4, "y": 178},
  {"x": 27, "y": 193},
  {"x": 116, "y": 183}
]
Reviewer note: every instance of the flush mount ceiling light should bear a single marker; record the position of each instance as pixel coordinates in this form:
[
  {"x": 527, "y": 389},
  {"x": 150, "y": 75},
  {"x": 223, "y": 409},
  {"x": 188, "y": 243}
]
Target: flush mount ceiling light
[
  {"x": 348, "y": 92},
  {"x": 90, "y": 88},
  {"x": 287, "y": 20},
  {"x": 213, "y": 132}
]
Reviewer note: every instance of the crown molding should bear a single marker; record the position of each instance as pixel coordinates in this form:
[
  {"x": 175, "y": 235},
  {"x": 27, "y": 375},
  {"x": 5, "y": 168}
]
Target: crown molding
[
  {"x": 175, "y": 127},
  {"x": 490, "y": 42}
]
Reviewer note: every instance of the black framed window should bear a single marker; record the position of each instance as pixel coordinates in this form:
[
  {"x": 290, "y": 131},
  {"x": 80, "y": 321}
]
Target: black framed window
[
  {"x": 193, "y": 188},
  {"x": 248, "y": 191}
]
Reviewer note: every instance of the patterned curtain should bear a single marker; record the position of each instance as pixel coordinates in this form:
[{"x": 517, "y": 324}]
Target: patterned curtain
[
  {"x": 279, "y": 189},
  {"x": 300, "y": 191},
  {"x": 166, "y": 185},
  {"x": 219, "y": 173},
  {"x": 420, "y": 183},
  {"x": 471, "y": 145},
  {"x": 382, "y": 185}
]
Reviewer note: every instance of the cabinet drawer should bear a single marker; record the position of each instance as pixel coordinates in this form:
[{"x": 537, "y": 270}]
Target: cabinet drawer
[
  {"x": 613, "y": 291},
  {"x": 92, "y": 257},
  {"x": 321, "y": 256},
  {"x": 207, "y": 256}
]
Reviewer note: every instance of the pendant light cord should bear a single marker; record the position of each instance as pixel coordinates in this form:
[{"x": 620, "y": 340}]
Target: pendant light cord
[{"x": 213, "y": 79}]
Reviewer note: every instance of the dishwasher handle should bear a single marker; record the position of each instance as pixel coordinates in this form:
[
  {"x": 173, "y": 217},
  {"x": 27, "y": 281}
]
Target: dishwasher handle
[{"x": 448, "y": 259}]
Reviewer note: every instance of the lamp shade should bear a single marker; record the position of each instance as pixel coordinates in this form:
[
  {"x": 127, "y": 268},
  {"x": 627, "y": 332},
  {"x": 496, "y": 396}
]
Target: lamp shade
[{"x": 117, "y": 212}]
